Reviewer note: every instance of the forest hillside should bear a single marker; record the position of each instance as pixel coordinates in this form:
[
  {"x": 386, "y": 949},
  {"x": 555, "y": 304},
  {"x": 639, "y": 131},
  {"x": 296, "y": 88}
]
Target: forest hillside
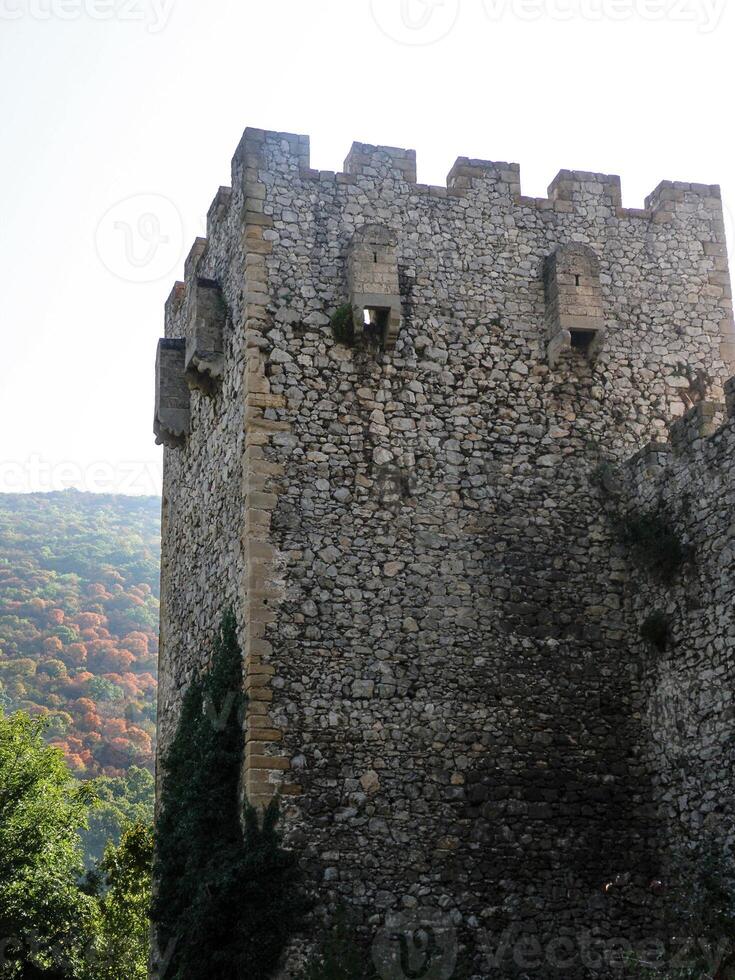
[{"x": 79, "y": 623}]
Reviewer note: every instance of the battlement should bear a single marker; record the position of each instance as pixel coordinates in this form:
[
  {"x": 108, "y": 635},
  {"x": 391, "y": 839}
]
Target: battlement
[
  {"x": 289, "y": 154},
  {"x": 574, "y": 236}
]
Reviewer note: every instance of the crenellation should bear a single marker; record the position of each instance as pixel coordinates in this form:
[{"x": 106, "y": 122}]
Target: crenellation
[
  {"x": 218, "y": 210},
  {"x": 582, "y": 188},
  {"x": 671, "y": 197},
  {"x": 503, "y": 178},
  {"x": 194, "y": 258},
  {"x": 539, "y": 203},
  {"x": 175, "y": 300},
  {"x": 285, "y": 153},
  {"x": 381, "y": 161}
]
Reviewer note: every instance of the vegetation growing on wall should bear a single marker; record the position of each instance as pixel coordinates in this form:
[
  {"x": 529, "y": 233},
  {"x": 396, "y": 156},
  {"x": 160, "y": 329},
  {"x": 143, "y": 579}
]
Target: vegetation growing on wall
[
  {"x": 655, "y": 544},
  {"x": 343, "y": 325},
  {"x": 227, "y": 899},
  {"x": 656, "y": 631}
]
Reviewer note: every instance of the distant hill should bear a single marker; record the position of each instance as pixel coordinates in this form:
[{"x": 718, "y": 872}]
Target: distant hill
[{"x": 79, "y": 592}]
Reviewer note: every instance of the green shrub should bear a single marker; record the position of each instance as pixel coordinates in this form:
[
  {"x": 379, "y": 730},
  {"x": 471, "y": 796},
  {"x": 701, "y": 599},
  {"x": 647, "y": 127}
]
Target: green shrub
[
  {"x": 606, "y": 476},
  {"x": 655, "y": 544},
  {"x": 343, "y": 325},
  {"x": 227, "y": 899}
]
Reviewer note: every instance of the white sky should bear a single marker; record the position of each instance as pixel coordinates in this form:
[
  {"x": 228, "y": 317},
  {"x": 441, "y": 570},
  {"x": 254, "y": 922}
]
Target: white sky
[{"x": 108, "y": 100}]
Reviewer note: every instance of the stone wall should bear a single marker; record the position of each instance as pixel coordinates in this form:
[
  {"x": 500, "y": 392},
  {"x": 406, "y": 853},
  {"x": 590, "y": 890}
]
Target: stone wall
[
  {"x": 688, "y": 672},
  {"x": 432, "y": 600}
]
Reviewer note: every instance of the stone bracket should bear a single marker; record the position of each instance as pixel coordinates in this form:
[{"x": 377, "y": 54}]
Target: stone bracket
[
  {"x": 575, "y": 318},
  {"x": 374, "y": 285},
  {"x": 172, "y": 415},
  {"x": 205, "y": 358}
]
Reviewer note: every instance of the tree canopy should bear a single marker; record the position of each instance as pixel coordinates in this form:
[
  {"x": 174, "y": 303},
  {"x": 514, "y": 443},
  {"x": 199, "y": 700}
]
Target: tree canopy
[
  {"x": 79, "y": 580},
  {"x": 55, "y": 924}
]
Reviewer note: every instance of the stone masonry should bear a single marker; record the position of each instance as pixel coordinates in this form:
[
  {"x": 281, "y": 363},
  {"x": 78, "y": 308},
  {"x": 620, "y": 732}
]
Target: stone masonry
[{"x": 440, "y": 624}]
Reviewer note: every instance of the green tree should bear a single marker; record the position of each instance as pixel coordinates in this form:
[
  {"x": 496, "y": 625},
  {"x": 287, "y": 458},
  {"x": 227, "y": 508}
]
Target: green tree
[
  {"x": 122, "y": 884},
  {"x": 46, "y": 922},
  {"x": 123, "y": 800},
  {"x": 100, "y": 689},
  {"x": 227, "y": 896}
]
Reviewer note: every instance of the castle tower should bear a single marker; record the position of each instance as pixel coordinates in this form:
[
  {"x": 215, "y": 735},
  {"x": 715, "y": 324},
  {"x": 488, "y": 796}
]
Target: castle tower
[{"x": 438, "y": 619}]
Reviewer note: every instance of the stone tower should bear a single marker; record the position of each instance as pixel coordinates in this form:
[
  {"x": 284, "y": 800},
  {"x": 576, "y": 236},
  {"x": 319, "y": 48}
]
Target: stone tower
[{"x": 402, "y": 426}]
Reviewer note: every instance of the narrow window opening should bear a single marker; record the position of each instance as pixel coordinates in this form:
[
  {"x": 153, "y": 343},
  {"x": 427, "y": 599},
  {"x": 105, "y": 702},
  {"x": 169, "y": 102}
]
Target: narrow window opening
[
  {"x": 375, "y": 321},
  {"x": 577, "y": 279},
  {"x": 375, "y": 258},
  {"x": 582, "y": 339}
]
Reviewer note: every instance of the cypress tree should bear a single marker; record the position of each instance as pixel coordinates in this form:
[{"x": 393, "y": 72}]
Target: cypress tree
[{"x": 227, "y": 895}]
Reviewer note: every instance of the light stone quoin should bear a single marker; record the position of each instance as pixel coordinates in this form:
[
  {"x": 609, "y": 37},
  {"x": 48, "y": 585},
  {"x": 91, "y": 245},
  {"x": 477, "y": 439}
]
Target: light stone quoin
[{"x": 442, "y": 629}]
